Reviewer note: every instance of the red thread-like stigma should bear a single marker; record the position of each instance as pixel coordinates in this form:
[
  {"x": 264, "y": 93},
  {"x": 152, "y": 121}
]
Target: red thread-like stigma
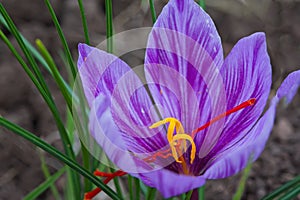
[
  {"x": 109, "y": 176},
  {"x": 245, "y": 104}
]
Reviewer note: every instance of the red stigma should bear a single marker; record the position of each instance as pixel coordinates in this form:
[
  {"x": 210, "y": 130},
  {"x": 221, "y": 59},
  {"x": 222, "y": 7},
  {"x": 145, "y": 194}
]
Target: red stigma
[
  {"x": 245, "y": 104},
  {"x": 109, "y": 176}
]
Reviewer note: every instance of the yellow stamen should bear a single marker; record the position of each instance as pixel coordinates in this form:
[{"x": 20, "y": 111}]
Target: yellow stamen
[
  {"x": 173, "y": 123},
  {"x": 186, "y": 137},
  {"x": 180, "y": 135}
]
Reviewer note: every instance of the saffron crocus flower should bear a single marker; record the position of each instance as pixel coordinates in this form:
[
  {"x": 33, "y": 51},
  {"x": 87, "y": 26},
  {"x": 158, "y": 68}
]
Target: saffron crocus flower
[{"x": 205, "y": 119}]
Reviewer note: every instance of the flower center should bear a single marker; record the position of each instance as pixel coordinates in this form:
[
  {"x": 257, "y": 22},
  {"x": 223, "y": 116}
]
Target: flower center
[
  {"x": 178, "y": 141},
  {"x": 175, "y": 140}
]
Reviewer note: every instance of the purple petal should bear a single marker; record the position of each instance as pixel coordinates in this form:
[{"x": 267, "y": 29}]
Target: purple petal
[
  {"x": 249, "y": 148},
  {"x": 99, "y": 71},
  {"x": 289, "y": 86},
  {"x": 192, "y": 28},
  {"x": 84, "y": 51},
  {"x": 237, "y": 157},
  {"x": 171, "y": 184},
  {"x": 133, "y": 112},
  {"x": 106, "y": 133},
  {"x": 111, "y": 139},
  {"x": 247, "y": 74},
  {"x": 183, "y": 55}
]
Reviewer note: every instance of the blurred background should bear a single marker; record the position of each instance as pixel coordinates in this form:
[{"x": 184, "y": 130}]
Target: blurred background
[{"x": 20, "y": 169}]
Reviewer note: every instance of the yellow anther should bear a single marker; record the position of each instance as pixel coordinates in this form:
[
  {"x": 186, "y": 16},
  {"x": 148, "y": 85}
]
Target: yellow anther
[
  {"x": 173, "y": 123},
  {"x": 174, "y": 153},
  {"x": 162, "y": 122},
  {"x": 174, "y": 139},
  {"x": 186, "y": 137}
]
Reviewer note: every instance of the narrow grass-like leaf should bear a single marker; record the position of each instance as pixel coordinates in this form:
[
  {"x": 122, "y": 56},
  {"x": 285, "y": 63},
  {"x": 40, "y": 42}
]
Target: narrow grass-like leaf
[
  {"x": 58, "y": 79},
  {"x": 144, "y": 188},
  {"x": 109, "y": 34},
  {"x": 69, "y": 189},
  {"x": 82, "y": 128},
  {"x": 25, "y": 50},
  {"x": 130, "y": 188},
  {"x": 84, "y": 23},
  {"x": 241, "y": 187},
  {"x": 137, "y": 188},
  {"x": 57, "y": 154},
  {"x": 118, "y": 187},
  {"x": 202, "y": 4},
  {"x": 291, "y": 194},
  {"x": 28, "y": 45},
  {"x": 109, "y": 25},
  {"x": 47, "y": 175},
  {"x": 62, "y": 38},
  {"x": 152, "y": 9},
  {"x": 87, "y": 165},
  {"x": 282, "y": 189},
  {"x": 116, "y": 181},
  {"x": 151, "y": 193},
  {"x": 36, "y": 54},
  {"x": 63, "y": 134},
  {"x": 45, "y": 185},
  {"x": 34, "y": 79}
]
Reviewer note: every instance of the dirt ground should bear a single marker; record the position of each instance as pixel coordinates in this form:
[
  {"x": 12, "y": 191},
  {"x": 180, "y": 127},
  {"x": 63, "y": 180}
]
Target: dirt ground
[{"x": 20, "y": 102}]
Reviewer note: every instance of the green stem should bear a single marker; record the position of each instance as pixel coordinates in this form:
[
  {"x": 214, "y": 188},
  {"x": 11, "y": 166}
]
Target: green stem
[
  {"x": 151, "y": 193},
  {"x": 57, "y": 154},
  {"x": 137, "y": 188},
  {"x": 109, "y": 25},
  {"x": 153, "y": 13},
  {"x": 241, "y": 187},
  {"x": 130, "y": 188},
  {"x": 189, "y": 195},
  {"x": 201, "y": 193}
]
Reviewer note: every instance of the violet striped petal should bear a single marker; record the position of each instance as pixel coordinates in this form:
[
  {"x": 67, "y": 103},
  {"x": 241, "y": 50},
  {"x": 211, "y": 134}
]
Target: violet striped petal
[
  {"x": 247, "y": 74},
  {"x": 183, "y": 57},
  {"x": 248, "y": 149},
  {"x": 106, "y": 133},
  {"x": 99, "y": 71},
  {"x": 170, "y": 183}
]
